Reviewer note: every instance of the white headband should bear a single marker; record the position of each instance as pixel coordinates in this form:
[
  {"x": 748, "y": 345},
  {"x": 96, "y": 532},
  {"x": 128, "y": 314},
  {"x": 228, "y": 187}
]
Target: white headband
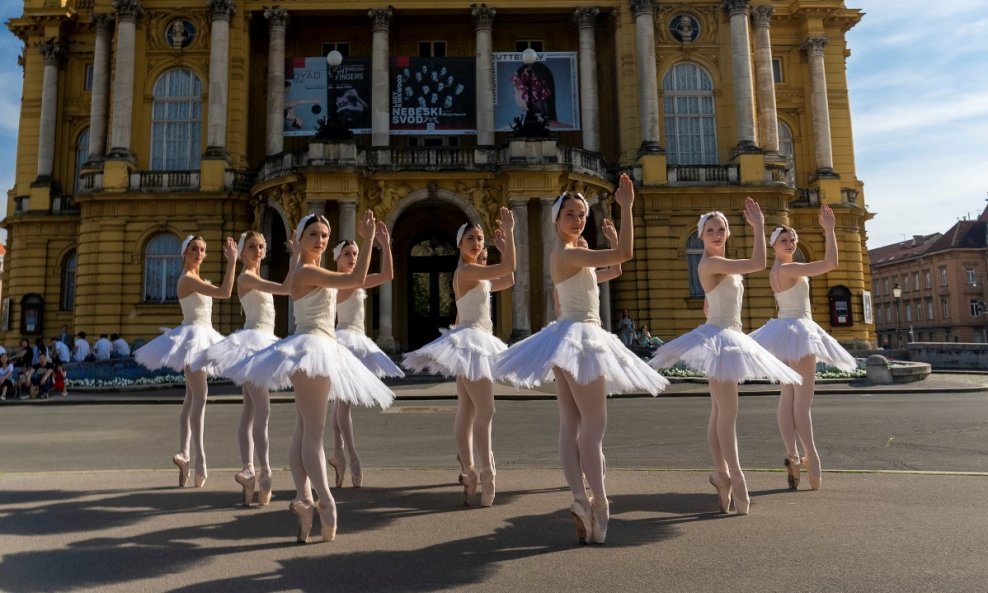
[
  {"x": 775, "y": 235},
  {"x": 558, "y": 204},
  {"x": 305, "y": 219},
  {"x": 185, "y": 244},
  {"x": 705, "y": 218},
  {"x": 339, "y": 248},
  {"x": 240, "y": 244},
  {"x": 460, "y": 232}
]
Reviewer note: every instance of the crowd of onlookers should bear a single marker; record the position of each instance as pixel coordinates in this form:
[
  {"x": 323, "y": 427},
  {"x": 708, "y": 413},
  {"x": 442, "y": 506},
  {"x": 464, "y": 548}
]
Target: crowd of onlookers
[
  {"x": 641, "y": 338},
  {"x": 39, "y": 370}
]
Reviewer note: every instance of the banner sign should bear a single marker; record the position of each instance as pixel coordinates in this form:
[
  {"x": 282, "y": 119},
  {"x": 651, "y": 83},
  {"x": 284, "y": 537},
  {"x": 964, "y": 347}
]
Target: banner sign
[
  {"x": 433, "y": 96},
  {"x": 553, "y": 83},
  {"x": 353, "y": 93},
  {"x": 305, "y": 95}
]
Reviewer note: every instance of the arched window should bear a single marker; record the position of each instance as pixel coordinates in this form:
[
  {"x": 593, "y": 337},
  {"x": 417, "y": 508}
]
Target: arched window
[
  {"x": 81, "y": 155},
  {"x": 162, "y": 267},
  {"x": 694, "y": 251},
  {"x": 67, "y": 301},
  {"x": 691, "y": 128},
  {"x": 787, "y": 149},
  {"x": 176, "y": 121}
]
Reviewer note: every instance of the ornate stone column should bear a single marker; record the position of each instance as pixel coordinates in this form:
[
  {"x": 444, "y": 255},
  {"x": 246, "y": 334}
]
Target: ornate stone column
[
  {"x": 380, "y": 112},
  {"x": 548, "y": 241},
  {"x": 385, "y": 334},
  {"x": 586, "y": 20},
  {"x": 821, "y": 107},
  {"x": 744, "y": 99},
  {"x": 483, "y": 21},
  {"x": 768, "y": 118},
  {"x": 220, "y": 12},
  {"x": 348, "y": 220},
  {"x": 101, "y": 87},
  {"x": 53, "y": 52},
  {"x": 648, "y": 90},
  {"x": 128, "y": 11},
  {"x": 277, "y": 23},
  {"x": 521, "y": 319}
]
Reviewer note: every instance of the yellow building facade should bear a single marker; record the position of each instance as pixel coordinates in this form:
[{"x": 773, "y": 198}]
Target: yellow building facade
[{"x": 143, "y": 121}]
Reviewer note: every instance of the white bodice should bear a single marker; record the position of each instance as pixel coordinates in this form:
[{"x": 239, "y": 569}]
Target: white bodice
[
  {"x": 197, "y": 309},
  {"x": 259, "y": 311},
  {"x": 794, "y": 302},
  {"x": 579, "y": 297},
  {"x": 315, "y": 312},
  {"x": 473, "y": 309},
  {"x": 350, "y": 313},
  {"x": 724, "y": 303}
]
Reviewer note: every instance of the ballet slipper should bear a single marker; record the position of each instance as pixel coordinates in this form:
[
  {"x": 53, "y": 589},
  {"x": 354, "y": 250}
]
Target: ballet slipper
[
  {"x": 246, "y": 479},
  {"x": 582, "y": 517},
  {"x": 487, "y": 486},
  {"x": 327, "y": 517},
  {"x": 792, "y": 472},
  {"x": 740, "y": 493},
  {"x": 356, "y": 478},
  {"x": 303, "y": 514},
  {"x": 265, "y": 482},
  {"x": 722, "y": 484},
  {"x": 200, "y": 480},
  {"x": 183, "y": 469},
  {"x": 339, "y": 466},
  {"x": 601, "y": 516},
  {"x": 469, "y": 480},
  {"x": 814, "y": 473}
]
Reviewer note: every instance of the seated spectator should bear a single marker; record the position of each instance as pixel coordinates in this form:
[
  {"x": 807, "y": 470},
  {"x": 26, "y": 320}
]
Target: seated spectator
[
  {"x": 38, "y": 349},
  {"x": 59, "y": 351},
  {"x": 59, "y": 378},
  {"x": 43, "y": 378},
  {"x": 7, "y": 377},
  {"x": 103, "y": 348},
  {"x": 3, "y": 350},
  {"x": 24, "y": 357},
  {"x": 121, "y": 349},
  {"x": 646, "y": 339},
  {"x": 82, "y": 352}
]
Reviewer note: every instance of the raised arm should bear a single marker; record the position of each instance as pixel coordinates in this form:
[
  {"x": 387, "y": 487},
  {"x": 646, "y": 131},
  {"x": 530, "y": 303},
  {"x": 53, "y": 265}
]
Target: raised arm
[
  {"x": 471, "y": 273},
  {"x": 829, "y": 262},
  {"x": 188, "y": 284},
  {"x": 616, "y": 254},
  {"x": 387, "y": 272},
  {"x": 310, "y": 275},
  {"x": 248, "y": 282},
  {"x": 721, "y": 265},
  {"x": 610, "y": 272}
]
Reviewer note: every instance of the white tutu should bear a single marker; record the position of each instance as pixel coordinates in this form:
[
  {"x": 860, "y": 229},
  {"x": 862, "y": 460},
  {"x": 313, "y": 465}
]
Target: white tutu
[
  {"x": 460, "y": 352},
  {"x": 584, "y": 350},
  {"x": 177, "y": 347},
  {"x": 317, "y": 356},
  {"x": 368, "y": 353},
  {"x": 232, "y": 350},
  {"x": 723, "y": 355},
  {"x": 792, "y": 338}
]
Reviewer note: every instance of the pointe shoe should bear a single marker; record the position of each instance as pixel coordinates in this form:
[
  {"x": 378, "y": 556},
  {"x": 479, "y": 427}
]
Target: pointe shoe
[
  {"x": 303, "y": 513},
  {"x": 723, "y": 486},
  {"x": 356, "y": 478},
  {"x": 248, "y": 481},
  {"x": 183, "y": 469},
  {"x": 739, "y": 488},
  {"x": 601, "y": 516},
  {"x": 327, "y": 517},
  {"x": 814, "y": 473},
  {"x": 487, "y": 487},
  {"x": 339, "y": 466},
  {"x": 469, "y": 480},
  {"x": 265, "y": 482},
  {"x": 792, "y": 473},
  {"x": 200, "y": 480},
  {"x": 582, "y": 517}
]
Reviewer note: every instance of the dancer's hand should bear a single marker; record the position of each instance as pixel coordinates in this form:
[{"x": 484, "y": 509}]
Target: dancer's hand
[
  {"x": 499, "y": 241},
  {"x": 827, "y": 219},
  {"x": 625, "y": 194},
  {"x": 610, "y": 232},
  {"x": 230, "y": 249},
  {"x": 294, "y": 247},
  {"x": 368, "y": 226},
  {"x": 383, "y": 235},
  {"x": 753, "y": 214},
  {"x": 505, "y": 221}
]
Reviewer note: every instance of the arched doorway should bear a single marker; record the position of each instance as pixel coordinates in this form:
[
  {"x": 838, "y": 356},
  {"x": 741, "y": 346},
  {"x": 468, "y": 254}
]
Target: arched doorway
[{"x": 275, "y": 265}]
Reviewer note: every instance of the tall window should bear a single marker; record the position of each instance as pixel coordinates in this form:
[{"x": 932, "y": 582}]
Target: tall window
[
  {"x": 176, "y": 121},
  {"x": 944, "y": 308},
  {"x": 927, "y": 282},
  {"x": 694, "y": 251},
  {"x": 972, "y": 278},
  {"x": 67, "y": 302},
  {"x": 929, "y": 310},
  {"x": 788, "y": 149},
  {"x": 691, "y": 129},
  {"x": 162, "y": 267},
  {"x": 943, "y": 276},
  {"x": 432, "y": 49},
  {"x": 916, "y": 281},
  {"x": 81, "y": 155}
]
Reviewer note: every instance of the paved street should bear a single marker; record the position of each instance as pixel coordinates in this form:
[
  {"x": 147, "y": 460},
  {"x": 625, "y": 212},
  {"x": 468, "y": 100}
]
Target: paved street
[{"x": 87, "y": 503}]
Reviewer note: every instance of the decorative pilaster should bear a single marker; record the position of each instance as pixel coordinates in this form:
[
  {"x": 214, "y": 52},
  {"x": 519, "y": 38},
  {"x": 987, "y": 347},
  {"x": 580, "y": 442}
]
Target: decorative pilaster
[
  {"x": 385, "y": 333},
  {"x": 548, "y": 240},
  {"x": 220, "y": 12},
  {"x": 101, "y": 87},
  {"x": 648, "y": 90},
  {"x": 277, "y": 23},
  {"x": 521, "y": 319},
  {"x": 483, "y": 22},
  {"x": 586, "y": 21},
  {"x": 380, "y": 113},
  {"x": 768, "y": 118},
  {"x": 814, "y": 49},
  {"x": 128, "y": 11},
  {"x": 348, "y": 219},
  {"x": 53, "y": 53},
  {"x": 744, "y": 96}
]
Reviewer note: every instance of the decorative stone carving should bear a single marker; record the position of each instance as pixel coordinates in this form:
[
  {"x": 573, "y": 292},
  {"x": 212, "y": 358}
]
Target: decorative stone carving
[
  {"x": 684, "y": 28},
  {"x": 383, "y": 198},
  {"x": 179, "y": 34},
  {"x": 292, "y": 204},
  {"x": 586, "y": 16},
  {"x": 761, "y": 15},
  {"x": 640, "y": 7},
  {"x": 277, "y": 17},
  {"x": 52, "y": 50},
  {"x": 734, "y": 7},
  {"x": 102, "y": 21},
  {"x": 220, "y": 9},
  {"x": 381, "y": 18},
  {"x": 482, "y": 15},
  {"x": 814, "y": 46},
  {"x": 128, "y": 9},
  {"x": 257, "y": 205},
  {"x": 486, "y": 199}
]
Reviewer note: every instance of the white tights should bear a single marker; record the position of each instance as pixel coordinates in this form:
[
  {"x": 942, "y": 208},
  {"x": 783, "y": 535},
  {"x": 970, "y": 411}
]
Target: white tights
[
  {"x": 305, "y": 454},
  {"x": 794, "y": 415},
  {"x": 253, "y": 429},
  {"x": 342, "y": 424},
  {"x": 582, "y": 423},
  {"x": 474, "y": 419},
  {"x": 192, "y": 419},
  {"x": 722, "y": 427}
]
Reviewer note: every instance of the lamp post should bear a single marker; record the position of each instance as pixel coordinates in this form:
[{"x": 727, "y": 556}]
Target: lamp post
[
  {"x": 330, "y": 127},
  {"x": 897, "y": 296},
  {"x": 532, "y": 125}
]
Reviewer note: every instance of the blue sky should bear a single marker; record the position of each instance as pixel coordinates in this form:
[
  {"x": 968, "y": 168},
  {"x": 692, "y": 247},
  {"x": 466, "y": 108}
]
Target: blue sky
[{"x": 918, "y": 78}]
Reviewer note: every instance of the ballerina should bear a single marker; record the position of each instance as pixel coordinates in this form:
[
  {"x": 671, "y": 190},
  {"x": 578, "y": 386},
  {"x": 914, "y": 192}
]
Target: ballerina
[
  {"x": 255, "y": 294},
  {"x": 350, "y": 333},
  {"x": 468, "y": 350},
  {"x": 722, "y": 351},
  {"x": 797, "y": 340},
  {"x": 586, "y": 361},
  {"x": 318, "y": 368},
  {"x": 177, "y": 347}
]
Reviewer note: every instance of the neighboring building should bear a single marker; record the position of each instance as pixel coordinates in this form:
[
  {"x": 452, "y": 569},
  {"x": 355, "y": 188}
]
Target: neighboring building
[
  {"x": 146, "y": 120},
  {"x": 942, "y": 282}
]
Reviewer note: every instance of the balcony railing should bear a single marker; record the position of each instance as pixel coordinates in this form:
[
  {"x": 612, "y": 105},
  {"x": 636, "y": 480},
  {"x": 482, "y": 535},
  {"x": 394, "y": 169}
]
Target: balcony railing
[
  {"x": 164, "y": 180},
  {"x": 282, "y": 164},
  {"x": 703, "y": 174},
  {"x": 423, "y": 157}
]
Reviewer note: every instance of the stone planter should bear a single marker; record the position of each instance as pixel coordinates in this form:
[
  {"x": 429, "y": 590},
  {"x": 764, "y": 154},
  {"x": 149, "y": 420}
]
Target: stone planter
[{"x": 883, "y": 372}]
